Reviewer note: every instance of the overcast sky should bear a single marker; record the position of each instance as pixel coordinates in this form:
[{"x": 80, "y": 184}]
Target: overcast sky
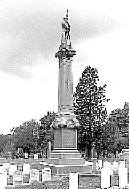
[{"x": 30, "y": 32}]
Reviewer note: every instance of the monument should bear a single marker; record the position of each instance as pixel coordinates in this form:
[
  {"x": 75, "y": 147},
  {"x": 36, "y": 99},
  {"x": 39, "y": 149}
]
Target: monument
[{"x": 65, "y": 125}]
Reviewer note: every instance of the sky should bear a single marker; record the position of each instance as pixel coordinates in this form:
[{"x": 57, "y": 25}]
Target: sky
[{"x": 30, "y": 33}]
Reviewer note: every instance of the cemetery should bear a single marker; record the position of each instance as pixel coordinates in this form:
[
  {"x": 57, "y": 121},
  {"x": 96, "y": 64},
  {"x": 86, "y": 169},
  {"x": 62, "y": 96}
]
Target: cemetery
[
  {"x": 106, "y": 173},
  {"x": 65, "y": 167}
]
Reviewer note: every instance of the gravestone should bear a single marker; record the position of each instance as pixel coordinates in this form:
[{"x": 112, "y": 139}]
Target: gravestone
[
  {"x": 3, "y": 177},
  {"x": 35, "y": 156},
  {"x": 34, "y": 175},
  {"x": 12, "y": 169},
  {"x": 6, "y": 165},
  {"x": 17, "y": 178},
  {"x": 122, "y": 175},
  {"x": 115, "y": 166},
  {"x": 26, "y": 173},
  {"x": 46, "y": 174},
  {"x": 9, "y": 180},
  {"x": 26, "y": 168},
  {"x": 106, "y": 173},
  {"x": 73, "y": 180},
  {"x": 26, "y": 179},
  {"x": 26, "y": 155}
]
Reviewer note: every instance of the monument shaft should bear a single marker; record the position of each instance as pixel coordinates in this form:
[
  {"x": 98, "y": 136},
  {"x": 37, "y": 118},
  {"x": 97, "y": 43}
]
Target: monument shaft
[
  {"x": 65, "y": 82},
  {"x": 65, "y": 86}
]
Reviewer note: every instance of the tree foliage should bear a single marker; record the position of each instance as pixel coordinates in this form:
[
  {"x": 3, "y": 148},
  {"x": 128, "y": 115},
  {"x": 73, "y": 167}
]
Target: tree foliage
[
  {"x": 115, "y": 133},
  {"x": 5, "y": 144},
  {"x": 89, "y": 106},
  {"x": 45, "y": 130},
  {"x": 24, "y": 137},
  {"x": 32, "y": 136}
]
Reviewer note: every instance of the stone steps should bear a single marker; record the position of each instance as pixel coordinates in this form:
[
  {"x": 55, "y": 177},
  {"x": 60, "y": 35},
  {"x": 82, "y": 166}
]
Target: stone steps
[{"x": 65, "y": 155}]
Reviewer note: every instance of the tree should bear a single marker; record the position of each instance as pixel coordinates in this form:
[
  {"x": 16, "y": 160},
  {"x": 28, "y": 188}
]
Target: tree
[
  {"x": 116, "y": 135},
  {"x": 45, "y": 130},
  {"x": 24, "y": 137},
  {"x": 32, "y": 136},
  {"x": 6, "y": 145},
  {"x": 89, "y": 107},
  {"x": 3, "y": 141}
]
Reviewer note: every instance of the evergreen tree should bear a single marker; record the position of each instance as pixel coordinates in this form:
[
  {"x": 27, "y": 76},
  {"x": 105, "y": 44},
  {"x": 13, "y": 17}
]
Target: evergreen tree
[
  {"x": 116, "y": 135},
  {"x": 45, "y": 130},
  {"x": 89, "y": 106}
]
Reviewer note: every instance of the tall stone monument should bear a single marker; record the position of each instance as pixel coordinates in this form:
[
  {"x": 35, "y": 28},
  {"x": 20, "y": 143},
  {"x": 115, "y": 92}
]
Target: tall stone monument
[{"x": 65, "y": 125}]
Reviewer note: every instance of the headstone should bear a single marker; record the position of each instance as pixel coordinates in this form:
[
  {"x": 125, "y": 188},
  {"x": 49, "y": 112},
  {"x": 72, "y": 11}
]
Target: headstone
[
  {"x": 26, "y": 168},
  {"x": 115, "y": 179},
  {"x": 106, "y": 173},
  {"x": 115, "y": 166},
  {"x": 6, "y": 165},
  {"x": 17, "y": 178},
  {"x": 35, "y": 156},
  {"x": 73, "y": 180},
  {"x": 107, "y": 164},
  {"x": 9, "y": 180},
  {"x": 26, "y": 173},
  {"x": 3, "y": 177},
  {"x": 12, "y": 169},
  {"x": 46, "y": 174},
  {"x": 26, "y": 155},
  {"x": 34, "y": 175},
  {"x": 122, "y": 175},
  {"x": 26, "y": 179}
]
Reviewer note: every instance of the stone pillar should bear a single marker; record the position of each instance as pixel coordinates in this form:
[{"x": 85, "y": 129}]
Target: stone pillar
[{"x": 65, "y": 86}]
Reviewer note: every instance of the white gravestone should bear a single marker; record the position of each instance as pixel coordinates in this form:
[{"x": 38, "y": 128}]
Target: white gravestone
[
  {"x": 107, "y": 164},
  {"x": 26, "y": 168},
  {"x": 115, "y": 166},
  {"x": 3, "y": 177},
  {"x": 106, "y": 173},
  {"x": 34, "y": 175},
  {"x": 122, "y": 175},
  {"x": 73, "y": 180},
  {"x": 26, "y": 173},
  {"x": 35, "y": 156},
  {"x": 12, "y": 169},
  {"x": 46, "y": 174},
  {"x": 26, "y": 155},
  {"x": 6, "y": 166},
  {"x": 17, "y": 178}
]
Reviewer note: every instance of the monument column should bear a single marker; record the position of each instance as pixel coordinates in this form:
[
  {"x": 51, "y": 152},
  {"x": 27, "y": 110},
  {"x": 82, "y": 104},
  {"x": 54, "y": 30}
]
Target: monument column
[{"x": 65, "y": 124}]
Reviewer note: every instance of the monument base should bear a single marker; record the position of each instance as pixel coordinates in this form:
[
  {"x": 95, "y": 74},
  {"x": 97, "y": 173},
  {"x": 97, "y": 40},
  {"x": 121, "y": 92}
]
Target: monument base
[
  {"x": 66, "y": 169},
  {"x": 66, "y": 161},
  {"x": 66, "y": 157}
]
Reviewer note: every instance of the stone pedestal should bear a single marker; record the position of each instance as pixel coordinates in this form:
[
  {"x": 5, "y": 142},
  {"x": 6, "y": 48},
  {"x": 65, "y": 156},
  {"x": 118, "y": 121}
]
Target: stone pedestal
[
  {"x": 65, "y": 138},
  {"x": 65, "y": 157},
  {"x": 65, "y": 141}
]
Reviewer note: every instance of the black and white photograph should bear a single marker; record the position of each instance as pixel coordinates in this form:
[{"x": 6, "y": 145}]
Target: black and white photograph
[{"x": 64, "y": 94}]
